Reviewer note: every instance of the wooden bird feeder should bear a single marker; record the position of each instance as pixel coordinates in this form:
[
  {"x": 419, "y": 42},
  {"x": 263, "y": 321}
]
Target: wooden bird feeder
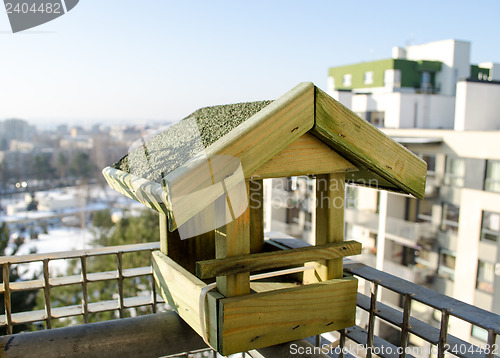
[{"x": 304, "y": 132}]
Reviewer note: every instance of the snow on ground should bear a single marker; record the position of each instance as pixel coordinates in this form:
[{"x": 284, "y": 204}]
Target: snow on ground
[{"x": 57, "y": 239}]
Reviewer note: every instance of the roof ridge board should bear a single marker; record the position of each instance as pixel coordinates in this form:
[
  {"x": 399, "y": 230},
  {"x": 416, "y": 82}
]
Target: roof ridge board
[{"x": 342, "y": 129}]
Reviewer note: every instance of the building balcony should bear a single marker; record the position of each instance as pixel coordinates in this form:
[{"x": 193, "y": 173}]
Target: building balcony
[
  {"x": 163, "y": 333},
  {"x": 408, "y": 233}
]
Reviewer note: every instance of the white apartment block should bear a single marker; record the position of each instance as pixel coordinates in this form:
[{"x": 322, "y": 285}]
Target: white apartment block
[{"x": 432, "y": 100}]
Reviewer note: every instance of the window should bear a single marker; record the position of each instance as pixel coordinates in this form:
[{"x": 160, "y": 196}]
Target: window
[
  {"x": 454, "y": 172},
  {"x": 351, "y": 197},
  {"x": 425, "y": 81},
  {"x": 368, "y": 78},
  {"x": 490, "y": 226},
  {"x": 451, "y": 213},
  {"x": 446, "y": 265},
  {"x": 492, "y": 178},
  {"x": 347, "y": 80},
  {"x": 479, "y": 333},
  {"x": 485, "y": 276},
  {"x": 431, "y": 163},
  {"x": 376, "y": 118}
]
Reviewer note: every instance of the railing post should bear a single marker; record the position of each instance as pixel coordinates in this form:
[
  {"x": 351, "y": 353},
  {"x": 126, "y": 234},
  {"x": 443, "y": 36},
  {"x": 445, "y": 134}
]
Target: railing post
[
  {"x": 85, "y": 297},
  {"x": 120, "y": 283},
  {"x": 6, "y": 297},
  {"x": 371, "y": 319},
  {"x": 46, "y": 291},
  {"x": 342, "y": 343},
  {"x": 443, "y": 333},
  {"x": 405, "y": 329},
  {"x": 490, "y": 347},
  {"x": 153, "y": 290}
]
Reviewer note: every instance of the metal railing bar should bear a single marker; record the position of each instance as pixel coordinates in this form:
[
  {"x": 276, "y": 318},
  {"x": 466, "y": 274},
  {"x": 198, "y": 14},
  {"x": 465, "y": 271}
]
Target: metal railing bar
[
  {"x": 491, "y": 344},
  {"x": 443, "y": 333},
  {"x": 459, "y": 309},
  {"x": 153, "y": 294},
  {"x": 331, "y": 352},
  {"x": 85, "y": 296},
  {"x": 342, "y": 343},
  {"x": 46, "y": 292},
  {"x": 381, "y": 347},
  {"x": 421, "y": 329},
  {"x": 108, "y": 250},
  {"x": 405, "y": 328},
  {"x": 371, "y": 319},
  {"x": 23, "y": 286},
  {"x": 77, "y": 279},
  {"x": 7, "y": 296},
  {"x": 119, "y": 257}
]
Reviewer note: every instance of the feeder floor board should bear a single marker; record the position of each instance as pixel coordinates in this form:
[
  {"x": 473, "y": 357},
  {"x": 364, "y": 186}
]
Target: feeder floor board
[{"x": 281, "y": 312}]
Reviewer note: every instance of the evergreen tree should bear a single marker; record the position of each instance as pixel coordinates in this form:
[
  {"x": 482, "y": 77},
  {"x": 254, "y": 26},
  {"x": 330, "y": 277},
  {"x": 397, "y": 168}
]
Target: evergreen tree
[
  {"x": 82, "y": 167},
  {"x": 62, "y": 165},
  {"x": 41, "y": 167}
]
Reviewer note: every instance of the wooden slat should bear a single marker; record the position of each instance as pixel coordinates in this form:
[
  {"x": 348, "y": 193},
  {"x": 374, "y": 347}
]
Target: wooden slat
[
  {"x": 270, "y": 286},
  {"x": 145, "y": 191},
  {"x": 256, "y": 203},
  {"x": 271, "y": 260},
  {"x": 367, "y": 147},
  {"x": 181, "y": 291},
  {"x": 305, "y": 156},
  {"x": 231, "y": 240},
  {"x": 253, "y": 142},
  {"x": 263, "y": 319}
]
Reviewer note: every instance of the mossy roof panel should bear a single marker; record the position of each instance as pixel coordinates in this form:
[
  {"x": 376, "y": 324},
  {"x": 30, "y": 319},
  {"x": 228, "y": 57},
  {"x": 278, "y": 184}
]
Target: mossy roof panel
[{"x": 159, "y": 155}]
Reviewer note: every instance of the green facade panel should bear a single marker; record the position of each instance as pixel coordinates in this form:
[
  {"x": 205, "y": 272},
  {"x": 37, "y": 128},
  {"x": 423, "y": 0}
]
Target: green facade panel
[
  {"x": 475, "y": 72},
  {"x": 411, "y": 73}
]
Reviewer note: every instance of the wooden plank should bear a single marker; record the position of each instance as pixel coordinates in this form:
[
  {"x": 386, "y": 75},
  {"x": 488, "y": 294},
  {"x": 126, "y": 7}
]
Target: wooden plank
[
  {"x": 256, "y": 203},
  {"x": 181, "y": 291},
  {"x": 366, "y": 146},
  {"x": 231, "y": 240},
  {"x": 163, "y": 225},
  {"x": 305, "y": 156},
  {"x": 277, "y": 259},
  {"x": 263, "y": 319},
  {"x": 265, "y": 286},
  {"x": 253, "y": 142},
  {"x": 330, "y": 204}
]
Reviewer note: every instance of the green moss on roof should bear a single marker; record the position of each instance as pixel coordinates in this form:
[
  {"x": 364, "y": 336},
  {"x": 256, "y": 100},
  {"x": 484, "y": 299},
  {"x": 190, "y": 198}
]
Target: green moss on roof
[{"x": 152, "y": 158}]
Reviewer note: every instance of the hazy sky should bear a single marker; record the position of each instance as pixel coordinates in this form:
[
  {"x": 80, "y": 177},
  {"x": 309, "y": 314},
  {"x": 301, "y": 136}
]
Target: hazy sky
[{"x": 110, "y": 60}]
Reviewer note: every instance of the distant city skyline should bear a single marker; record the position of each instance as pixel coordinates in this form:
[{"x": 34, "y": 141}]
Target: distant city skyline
[{"x": 124, "y": 62}]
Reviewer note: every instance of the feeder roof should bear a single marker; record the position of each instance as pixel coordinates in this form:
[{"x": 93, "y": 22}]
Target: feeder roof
[{"x": 255, "y": 132}]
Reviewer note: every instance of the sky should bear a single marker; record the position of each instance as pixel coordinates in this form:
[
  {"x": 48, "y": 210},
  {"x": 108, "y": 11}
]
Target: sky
[{"x": 123, "y": 61}]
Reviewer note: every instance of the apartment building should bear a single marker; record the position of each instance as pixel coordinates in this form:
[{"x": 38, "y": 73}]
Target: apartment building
[{"x": 432, "y": 100}]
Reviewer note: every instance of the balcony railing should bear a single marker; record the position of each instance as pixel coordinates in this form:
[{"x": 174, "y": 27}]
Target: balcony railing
[
  {"x": 363, "y": 335},
  {"x": 49, "y": 282},
  {"x": 396, "y": 229}
]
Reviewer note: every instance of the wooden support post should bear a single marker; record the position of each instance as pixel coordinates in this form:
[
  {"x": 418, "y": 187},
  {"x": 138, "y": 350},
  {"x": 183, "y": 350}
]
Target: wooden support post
[
  {"x": 256, "y": 204},
  {"x": 231, "y": 240},
  {"x": 163, "y": 224},
  {"x": 330, "y": 197}
]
